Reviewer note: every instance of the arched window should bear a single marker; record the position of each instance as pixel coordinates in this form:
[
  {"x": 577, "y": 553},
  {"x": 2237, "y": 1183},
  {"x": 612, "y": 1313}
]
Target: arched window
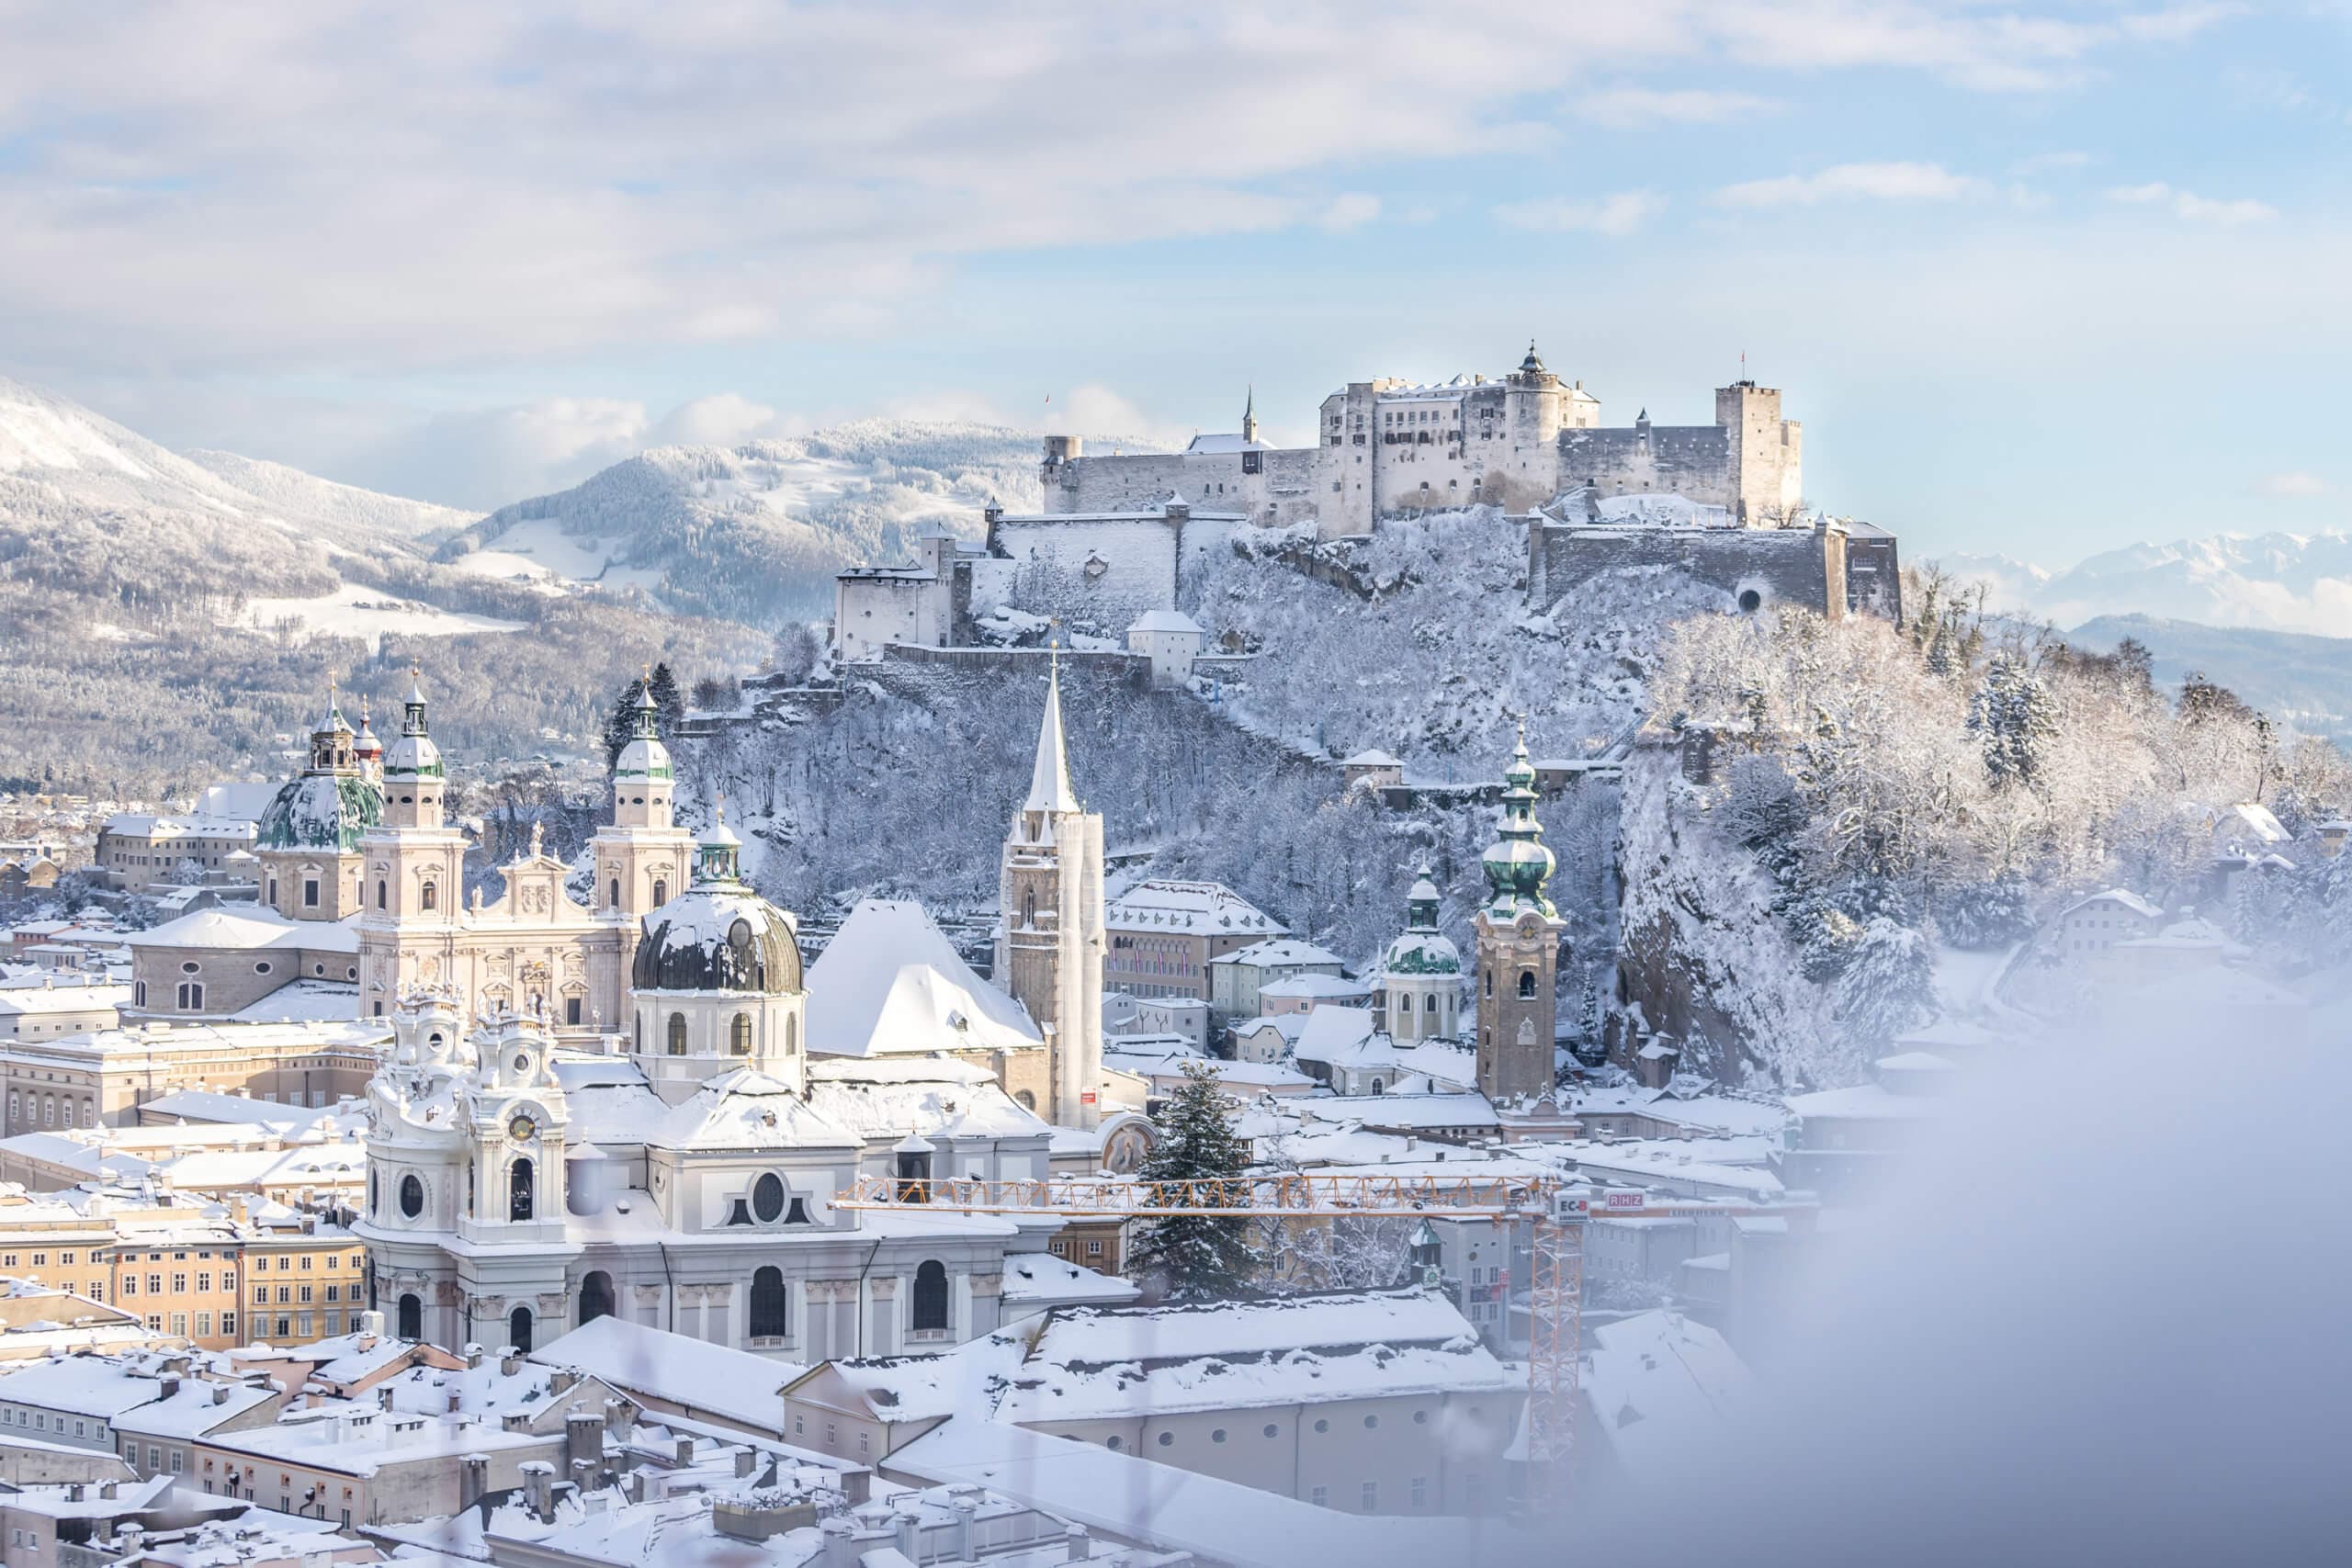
[
  {"x": 380, "y": 893},
  {"x": 375, "y": 1191},
  {"x": 770, "y": 1304},
  {"x": 931, "y": 1298},
  {"x": 738, "y": 1035},
  {"x": 661, "y": 892},
  {"x": 1029, "y": 909},
  {"x": 1526, "y": 983},
  {"x": 767, "y": 1198},
  {"x": 1429, "y": 1003},
  {"x": 410, "y": 1317},
  {"x": 518, "y": 1191},
  {"x": 191, "y": 996},
  {"x": 613, "y": 897},
  {"x": 1378, "y": 1087},
  {"x": 677, "y": 1035},
  {"x": 791, "y": 1034},
  {"x": 412, "y": 1196},
  {"x": 518, "y": 1328},
  {"x": 596, "y": 1297},
  {"x": 428, "y": 896},
  {"x": 1028, "y": 1101}
]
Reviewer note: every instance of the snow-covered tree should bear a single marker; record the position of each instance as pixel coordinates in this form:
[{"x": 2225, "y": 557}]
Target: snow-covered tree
[
  {"x": 2014, "y": 718},
  {"x": 1193, "y": 1258},
  {"x": 1888, "y": 986}
]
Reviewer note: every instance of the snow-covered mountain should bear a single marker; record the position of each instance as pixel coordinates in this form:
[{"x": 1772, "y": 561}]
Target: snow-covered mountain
[
  {"x": 2283, "y": 583},
  {"x": 161, "y": 611},
  {"x": 754, "y": 532},
  {"x": 2300, "y": 680}
]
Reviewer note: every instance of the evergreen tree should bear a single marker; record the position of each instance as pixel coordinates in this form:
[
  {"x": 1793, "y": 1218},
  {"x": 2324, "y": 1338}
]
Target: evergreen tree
[
  {"x": 622, "y": 723},
  {"x": 668, "y": 701},
  {"x": 1889, "y": 984},
  {"x": 2014, "y": 717},
  {"x": 1195, "y": 1258}
]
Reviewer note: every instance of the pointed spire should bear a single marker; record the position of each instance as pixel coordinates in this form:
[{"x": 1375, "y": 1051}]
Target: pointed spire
[
  {"x": 647, "y": 724},
  {"x": 1049, "y": 787}
]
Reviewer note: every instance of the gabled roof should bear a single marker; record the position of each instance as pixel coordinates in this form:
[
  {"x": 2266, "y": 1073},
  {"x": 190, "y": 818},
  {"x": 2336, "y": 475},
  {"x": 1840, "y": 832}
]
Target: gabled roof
[
  {"x": 888, "y": 982},
  {"x": 677, "y": 1369},
  {"x": 749, "y": 1110}
]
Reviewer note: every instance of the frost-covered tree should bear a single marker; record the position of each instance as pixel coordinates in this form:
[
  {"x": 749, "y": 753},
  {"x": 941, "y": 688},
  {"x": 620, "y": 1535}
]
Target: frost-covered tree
[
  {"x": 1194, "y": 1258},
  {"x": 2013, "y": 717},
  {"x": 669, "y": 703},
  {"x": 1888, "y": 986}
]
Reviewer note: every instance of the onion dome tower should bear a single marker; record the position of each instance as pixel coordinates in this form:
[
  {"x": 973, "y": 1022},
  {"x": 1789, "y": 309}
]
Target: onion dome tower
[
  {"x": 308, "y": 840},
  {"x": 415, "y": 865},
  {"x": 1519, "y": 946},
  {"x": 716, "y": 983},
  {"x": 1422, "y": 971}
]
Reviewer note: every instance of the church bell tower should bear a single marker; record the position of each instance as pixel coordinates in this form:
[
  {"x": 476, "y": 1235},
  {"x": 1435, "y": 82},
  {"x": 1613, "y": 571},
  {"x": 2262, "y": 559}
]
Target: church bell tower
[{"x": 1519, "y": 946}]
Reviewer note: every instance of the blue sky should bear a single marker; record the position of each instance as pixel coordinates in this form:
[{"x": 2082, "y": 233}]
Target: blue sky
[{"x": 2038, "y": 281}]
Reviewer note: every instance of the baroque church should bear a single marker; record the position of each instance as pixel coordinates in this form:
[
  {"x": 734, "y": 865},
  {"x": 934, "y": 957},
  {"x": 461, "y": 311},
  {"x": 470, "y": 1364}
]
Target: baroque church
[{"x": 622, "y": 1110}]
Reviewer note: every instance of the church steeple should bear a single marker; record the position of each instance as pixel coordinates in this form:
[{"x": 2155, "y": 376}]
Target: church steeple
[
  {"x": 1049, "y": 786},
  {"x": 1250, "y": 415},
  {"x": 1518, "y": 865}
]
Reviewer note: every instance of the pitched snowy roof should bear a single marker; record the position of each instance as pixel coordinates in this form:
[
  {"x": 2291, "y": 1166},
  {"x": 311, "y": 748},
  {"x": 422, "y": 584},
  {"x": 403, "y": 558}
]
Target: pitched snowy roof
[
  {"x": 1165, "y": 621},
  {"x": 748, "y": 1110},
  {"x": 2122, "y": 896},
  {"x": 1339, "y": 1036},
  {"x": 677, "y": 1369},
  {"x": 1658, "y": 1385},
  {"x": 2253, "y": 823},
  {"x": 1280, "y": 950},
  {"x": 247, "y": 929},
  {"x": 890, "y": 982},
  {"x": 1371, "y": 757},
  {"x": 1032, "y": 1277},
  {"x": 1197, "y": 909},
  {"x": 1312, "y": 986},
  {"x": 955, "y": 1101}
]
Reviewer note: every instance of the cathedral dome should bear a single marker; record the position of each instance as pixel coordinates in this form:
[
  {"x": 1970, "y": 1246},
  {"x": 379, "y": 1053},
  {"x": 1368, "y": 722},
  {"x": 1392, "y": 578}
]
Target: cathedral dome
[
  {"x": 1422, "y": 953},
  {"x": 718, "y": 939},
  {"x": 321, "y": 811},
  {"x": 718, "y": 935}
]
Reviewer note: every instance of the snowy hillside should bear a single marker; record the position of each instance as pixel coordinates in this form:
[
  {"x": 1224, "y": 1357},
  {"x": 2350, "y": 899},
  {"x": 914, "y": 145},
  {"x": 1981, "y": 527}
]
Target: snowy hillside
[
  {"x": 2302, "y": 682},
  {"x": 2286, "y": 582},
  {"x": 160, "y": 613},
  {"x": 754, "y": 532}
]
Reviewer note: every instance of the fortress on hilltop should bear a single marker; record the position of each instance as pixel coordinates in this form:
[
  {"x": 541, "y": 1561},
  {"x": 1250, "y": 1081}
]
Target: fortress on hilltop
[{"x": 1386, "y": 448}]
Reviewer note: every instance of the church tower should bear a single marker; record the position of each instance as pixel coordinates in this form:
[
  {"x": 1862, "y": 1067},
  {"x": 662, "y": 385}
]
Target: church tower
[
  {"x": 308, "y": 838},
  {"x": 1050, "y": 926},
  {"x": 1519, "y": 944},
  {"x": 1249, "y": 416},
  {"x": 415, "y": 865},
  {"x": 643, "y": 858},
  {"x": 1422, "y": 971}
]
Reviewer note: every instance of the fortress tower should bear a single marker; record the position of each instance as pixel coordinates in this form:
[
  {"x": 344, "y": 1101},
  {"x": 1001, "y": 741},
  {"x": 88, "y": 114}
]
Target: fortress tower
[{"x": 1049, "y": 928}]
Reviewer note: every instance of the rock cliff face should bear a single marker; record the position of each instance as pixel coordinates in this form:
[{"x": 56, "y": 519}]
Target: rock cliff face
[{"x": 1707, "y": 966}]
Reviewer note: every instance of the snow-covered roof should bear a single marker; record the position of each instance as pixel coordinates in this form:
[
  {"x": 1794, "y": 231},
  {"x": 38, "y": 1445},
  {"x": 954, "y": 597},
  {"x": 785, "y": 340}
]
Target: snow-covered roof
[
  {"x": 922, "y": 1096},
  {"x": 1371, "y": 757},
  {"x": 27, "y": 1000},
  {"x": 890, "y": 982},
  {"x": 2123, "y": 895},
  {"x": 1174, "y": 1063},
  {"x": 1280, "y": 952},
  {"x": 1311, "y": 986},
  {"x": 1865, "y": 1101},
  {"x": 196, "y": 1407},
  {"x": 1195, "y": 909},
  {"x": 304, "y": 1001},
  {"x": 104, "y": 1386},
  {"x": 1032, "y": 1277},
  {"x": 1658, "y": 1385},
  {"x": 1165, "y": 621},
  {"x": 748, "y": 1110},
  {"x": 1405, "y": 1110},
  {"x": 1225, "y": 442},
  {"x": 2252, "y": 823},
  {"x": 1103, "y": 1363},
  {"x": 1337, "y": 1035},
  {"x": 248, "y": 927},
  {"x": 676, "y": 1368}
]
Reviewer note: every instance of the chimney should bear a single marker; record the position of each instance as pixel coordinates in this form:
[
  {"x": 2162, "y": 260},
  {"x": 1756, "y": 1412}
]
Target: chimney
[
  {"x": 686, "y": 1452},
  {"x": 906, "y": 1528},
  {"x": 477, "y": 1480},
  {"x": 457, "y": 1399},
  {"x": 838, "y": 1548},
  {"x": 383, "y": 1397},
  {"x": 105, "y": 1491},
  {"x": 746, "y": 1460},
  {"x": 171, "y": 1388},
  {"x": 221, "y": 1393},
  {"x": 511, "y": 1363},
  {"x": 539, "y": 1489},
  {"x": 965, "y": 1537},
  {"x": 1075, "y": 1538},
  {"x": 473, "y": 1355},
  {"x": 562, "y": 1381},
  {"x": 583, "y": 1438},
  {"x": 620, "y": 1418}
]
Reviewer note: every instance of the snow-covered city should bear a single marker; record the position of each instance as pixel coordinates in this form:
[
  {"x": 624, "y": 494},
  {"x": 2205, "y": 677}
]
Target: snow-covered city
[{"x": 1231, "y": 927}]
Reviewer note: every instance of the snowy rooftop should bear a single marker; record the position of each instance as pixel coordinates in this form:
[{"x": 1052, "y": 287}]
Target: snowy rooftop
[
  {"x": 26, "y": 1000},
  {"x": 1165, "y": 621},
  {"x": 1658, "y": 1385},
  {"x": 1041, "y": 1276},
  {"x": 1403, "y": 1110},
  {"x": 304, "y": 1001},
  {"x": 1314, "y": 988},
  {"x": 249, "y": 929},
  {"x": 1195, "y": 908},
  {"x": 676, "y": 1368},
  {"x": 890, "y": 982},
  {"x": 195, "y": 1408},
  {"x": 1279, "y": 952},
  {"x": 749, "y": 1110},
  {"x": 2123, "y": 895}
]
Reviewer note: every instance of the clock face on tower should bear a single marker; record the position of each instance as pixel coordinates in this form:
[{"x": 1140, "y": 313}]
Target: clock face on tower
[{"x": 521, "y": 1129}]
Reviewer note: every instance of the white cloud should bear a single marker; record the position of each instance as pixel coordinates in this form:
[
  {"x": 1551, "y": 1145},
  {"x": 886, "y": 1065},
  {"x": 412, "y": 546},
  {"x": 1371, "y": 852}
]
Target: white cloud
[
  {"x": 2190, "y": 206},
  {"x": 1629, "y": 108},
  {"x": 2295, "y": 484},
  {"x": 1853, "y": 182},
  {"x": 723, "y": 419},
  {"x": 2050, "y": 162},
  {"x": 1351, "y": 210},
  {"x": 1616, "y": 215}
]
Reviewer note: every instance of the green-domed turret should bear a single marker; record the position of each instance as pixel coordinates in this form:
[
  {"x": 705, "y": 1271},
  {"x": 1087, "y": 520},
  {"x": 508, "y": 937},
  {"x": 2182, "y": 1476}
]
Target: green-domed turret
[{"x": 1518, "y": 865}]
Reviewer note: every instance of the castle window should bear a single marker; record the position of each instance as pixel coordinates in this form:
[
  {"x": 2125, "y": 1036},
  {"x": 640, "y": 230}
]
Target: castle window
[
  {"x": 770, "y": 1304},
  {"x": 613, "y": 898},
  {"x": 677, "y": 1035},
  {"x": 930, "y": 1310},
  {"x": 1526, "y": 983},
  {"x": 380, "y": 893},
  {"x": 518, "y": 1329},
  {"x": 518, "y": 1191},
  {"x": 412, "y": 1196},
  {"x": 409, "y": 1318},
  {"x": 1253, "y": 462},
  {"x": 738, "y": 1035},
  {"x": 595, "y": 1296}
]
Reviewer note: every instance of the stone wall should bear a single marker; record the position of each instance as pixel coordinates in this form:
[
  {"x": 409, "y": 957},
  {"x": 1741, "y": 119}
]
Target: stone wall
[
  {"x": 1755, "y": 566},
  {"x": 1694, "y": 460}
]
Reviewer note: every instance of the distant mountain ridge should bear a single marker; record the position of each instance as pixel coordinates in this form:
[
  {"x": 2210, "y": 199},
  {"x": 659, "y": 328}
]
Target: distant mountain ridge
[
  {"x": 2303, "y": 681},
  {"x": 755, "y": 532},
  {"x": 2276, "y": 582}
]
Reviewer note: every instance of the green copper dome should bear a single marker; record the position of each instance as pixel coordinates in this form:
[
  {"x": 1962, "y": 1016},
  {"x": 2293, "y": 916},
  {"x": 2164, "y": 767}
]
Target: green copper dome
[
  {"x": 321, "y": 811},
  {"x": 1518, "y": 865}
]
